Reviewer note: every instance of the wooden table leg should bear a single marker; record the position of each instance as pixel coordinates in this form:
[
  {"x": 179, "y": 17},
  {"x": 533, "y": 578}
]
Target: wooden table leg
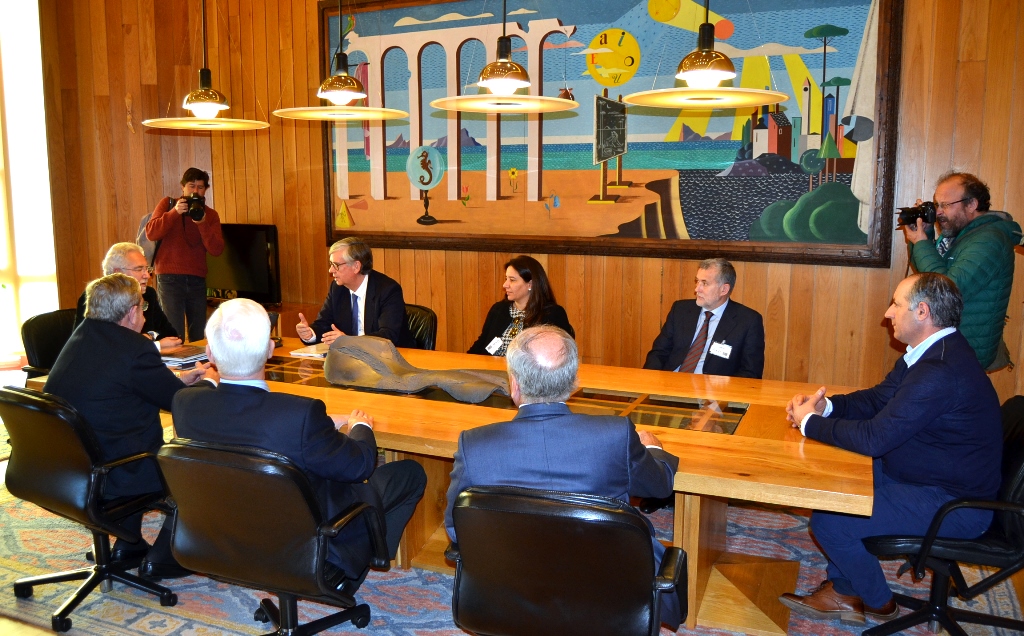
[
  {"x": 424, "y": 539},
  {"x": 736, "y": 592}
]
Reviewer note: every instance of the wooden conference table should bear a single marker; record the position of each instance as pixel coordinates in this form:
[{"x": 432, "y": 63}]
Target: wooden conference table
[{"x": 764, "y": 460}]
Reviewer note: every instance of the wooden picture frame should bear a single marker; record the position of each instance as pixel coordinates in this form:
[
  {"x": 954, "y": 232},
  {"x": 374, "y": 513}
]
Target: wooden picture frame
[{"x": 876, "y": 252}]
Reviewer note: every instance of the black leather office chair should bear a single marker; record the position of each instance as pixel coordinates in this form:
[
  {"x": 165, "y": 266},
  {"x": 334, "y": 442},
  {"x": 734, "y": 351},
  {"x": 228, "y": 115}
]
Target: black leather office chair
[
  {"x": 44, "y": 336},
  {"x": 422, "y": 323},
  {"x": 55, "y": 465},
  {"x": 541, "y": 562},
  {"x": 249, "y": 517},
  {"x": 1001, "y": 547}
]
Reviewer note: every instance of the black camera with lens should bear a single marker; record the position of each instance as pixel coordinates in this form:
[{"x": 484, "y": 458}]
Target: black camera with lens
[
  {"x": 196, "y": 206},
  {"x": 909, "y": 216}
]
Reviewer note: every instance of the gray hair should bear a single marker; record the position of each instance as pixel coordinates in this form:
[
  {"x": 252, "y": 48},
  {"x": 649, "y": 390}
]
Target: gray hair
[
  {"x": 117, "y": 256},
  {"x": 942, "y": 297},
  {"x": 543, "y": 380},
  {"x": 111, "y": 298},
  {"x": 239, "y": 337},
  {"x": 726, "y": 272},
  {"x": 357, "y": 250}
]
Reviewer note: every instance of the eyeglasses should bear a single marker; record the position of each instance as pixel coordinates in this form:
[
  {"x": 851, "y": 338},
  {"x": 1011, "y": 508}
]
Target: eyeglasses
[
  {"x": 943, "y": 206},
  {"x": 145, "y": 305},
  {"x": 138, "y": 270},
  {"x": 335, "y": 266}
]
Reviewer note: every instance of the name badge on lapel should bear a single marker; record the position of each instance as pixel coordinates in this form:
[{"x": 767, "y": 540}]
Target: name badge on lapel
[{"x": 720, "y": 349}]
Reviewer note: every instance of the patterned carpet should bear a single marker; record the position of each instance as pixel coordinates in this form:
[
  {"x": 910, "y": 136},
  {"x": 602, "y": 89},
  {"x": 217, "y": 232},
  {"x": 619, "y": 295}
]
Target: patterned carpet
[{"x": 403, "y": 602}]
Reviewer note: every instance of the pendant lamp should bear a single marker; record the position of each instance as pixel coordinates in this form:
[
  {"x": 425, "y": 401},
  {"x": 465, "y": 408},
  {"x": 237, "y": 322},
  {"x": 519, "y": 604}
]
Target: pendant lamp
[
  {"x": 204, "y": 103},
  {"x": 703, "y": 70},
  {"x": 341, "y": 89},
  {"x": 503, "y": 78}
]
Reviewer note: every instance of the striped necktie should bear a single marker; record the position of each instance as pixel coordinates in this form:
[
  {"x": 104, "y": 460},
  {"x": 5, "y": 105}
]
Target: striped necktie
[{"x": 697, "y": 348}]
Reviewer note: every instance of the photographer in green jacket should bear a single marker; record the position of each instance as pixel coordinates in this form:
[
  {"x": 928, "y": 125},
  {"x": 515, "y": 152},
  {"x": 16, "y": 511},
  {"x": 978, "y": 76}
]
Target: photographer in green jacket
[{"x": 975, "y": 249}]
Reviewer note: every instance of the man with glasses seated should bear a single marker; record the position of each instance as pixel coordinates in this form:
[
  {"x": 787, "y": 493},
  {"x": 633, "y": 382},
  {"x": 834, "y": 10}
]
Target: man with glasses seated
[
  {"x": 114, "y": 378},
  {"x": 361, "y": 301},
  {"x": 128, "y": 258},
  {"x": 975, "y": 250}
]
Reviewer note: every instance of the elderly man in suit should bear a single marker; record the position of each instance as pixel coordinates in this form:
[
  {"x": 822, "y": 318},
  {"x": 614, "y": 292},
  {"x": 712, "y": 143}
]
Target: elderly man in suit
[
  {"x": 933, "y": 426},
  {"x": 114, "y": 378},
  {"x": 341, "y": 468},
  {"x": 546, "y": 446},
  {"x": 714, "y": 335},
  {"x": 361, "y": 301}
]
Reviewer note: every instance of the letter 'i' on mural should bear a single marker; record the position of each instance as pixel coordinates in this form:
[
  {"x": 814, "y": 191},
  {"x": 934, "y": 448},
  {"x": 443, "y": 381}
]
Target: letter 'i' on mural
[{"x": 799, "y": 171}]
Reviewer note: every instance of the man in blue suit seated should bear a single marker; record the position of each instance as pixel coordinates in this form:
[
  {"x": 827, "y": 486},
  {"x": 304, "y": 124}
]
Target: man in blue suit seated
[
  {"x": 342, "y": 469},
  {"x": 546, "y": 446},
  {"x": 933, "y": 426}
]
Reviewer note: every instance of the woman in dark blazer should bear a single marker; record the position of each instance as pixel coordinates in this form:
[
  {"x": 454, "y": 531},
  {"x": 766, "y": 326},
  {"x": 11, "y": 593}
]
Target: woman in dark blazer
[{"x": 528, "y": 302}]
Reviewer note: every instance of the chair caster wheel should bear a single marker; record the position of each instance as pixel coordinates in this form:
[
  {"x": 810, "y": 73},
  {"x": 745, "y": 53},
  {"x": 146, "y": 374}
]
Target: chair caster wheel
[
  {"x": 361, "y": 622},
  {"x": 168, "y": 600},
  {"x": 60, "y": 624},
  {"x": 260, "y": 615},
  {"x": 22, "y": 591}
]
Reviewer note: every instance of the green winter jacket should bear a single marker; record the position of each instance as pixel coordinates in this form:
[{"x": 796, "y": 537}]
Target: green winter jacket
[{"x": 980, "y": 262}]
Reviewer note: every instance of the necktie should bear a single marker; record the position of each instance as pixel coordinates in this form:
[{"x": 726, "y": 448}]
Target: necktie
[
  {"x": 697, "y": 348},
  {"x": 355, "y": 314}
]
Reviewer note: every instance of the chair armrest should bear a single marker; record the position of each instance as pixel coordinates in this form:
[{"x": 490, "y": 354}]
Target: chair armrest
[
  {"x": 374, "y": 527},
  {"x": 452, "y": 552},
  {"x": 117, "y": 463},
  {"x": 34, "y": 372},
  {"x": 940, "y": 515},
  {"x": 673, "y": 567}
]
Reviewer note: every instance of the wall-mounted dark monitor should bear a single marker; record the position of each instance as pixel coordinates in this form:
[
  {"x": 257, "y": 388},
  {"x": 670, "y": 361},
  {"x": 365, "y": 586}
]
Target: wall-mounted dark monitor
[{"x": 248, "y": 267}]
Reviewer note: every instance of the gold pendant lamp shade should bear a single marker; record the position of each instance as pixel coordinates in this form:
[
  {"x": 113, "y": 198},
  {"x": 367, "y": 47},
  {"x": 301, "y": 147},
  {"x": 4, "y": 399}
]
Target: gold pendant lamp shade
[
  {"x": 341, "y": 89},
  {"x": 205, "y": 102},
  {"x": 503, "y": 77},
  {"x": 705, "y": 68}
]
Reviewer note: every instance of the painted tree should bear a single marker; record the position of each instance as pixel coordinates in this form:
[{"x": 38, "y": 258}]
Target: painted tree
[
  {"x": 811, "y": 165},
  {"x": 826, "y": 33},
  {"x": 829, "y": 150}
]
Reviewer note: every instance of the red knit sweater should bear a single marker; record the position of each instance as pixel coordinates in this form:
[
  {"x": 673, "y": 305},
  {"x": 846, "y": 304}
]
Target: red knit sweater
[{"x": 183, "y": 242}]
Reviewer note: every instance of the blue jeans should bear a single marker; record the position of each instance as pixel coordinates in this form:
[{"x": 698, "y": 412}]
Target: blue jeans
[
  {"x": 905, "y": 509},
  {"x": 183, "y": 299}
]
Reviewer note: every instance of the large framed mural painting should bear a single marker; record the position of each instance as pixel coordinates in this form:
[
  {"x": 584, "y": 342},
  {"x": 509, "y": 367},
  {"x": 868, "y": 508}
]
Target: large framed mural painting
[{"x": 808, "y": 180}]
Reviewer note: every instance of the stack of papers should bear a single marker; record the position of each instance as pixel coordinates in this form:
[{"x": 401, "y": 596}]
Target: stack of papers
[
  {"x": 312, "y": 351},
  {"x": 184, "y": 355}
]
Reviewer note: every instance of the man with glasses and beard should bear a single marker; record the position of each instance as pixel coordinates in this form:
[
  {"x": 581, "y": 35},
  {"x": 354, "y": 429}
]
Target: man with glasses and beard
[
  {"x": 361, "y": 301},
  {"x": 975, "y": 250}
]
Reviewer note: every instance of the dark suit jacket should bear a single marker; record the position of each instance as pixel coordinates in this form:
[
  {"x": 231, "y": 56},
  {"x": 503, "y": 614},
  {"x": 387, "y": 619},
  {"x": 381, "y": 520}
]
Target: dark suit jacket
[
  {"x": 498, "y": 320},
  {"x": 740, "y": 327},
  {"x": 384, "y": 311},
  {"x": 156, "y": 320},
  {"x": 300, "y": 429},
  {"x": 548, "y": 447},
  {"x": 937, "y": 423},
  {"x": 114, "y": 378}
]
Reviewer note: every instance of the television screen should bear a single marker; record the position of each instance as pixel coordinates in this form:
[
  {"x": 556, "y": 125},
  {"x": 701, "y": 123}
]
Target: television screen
[{"x": 248, "y": 267}]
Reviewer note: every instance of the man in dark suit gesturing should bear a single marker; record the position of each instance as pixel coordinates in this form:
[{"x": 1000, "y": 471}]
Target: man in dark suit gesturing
[
  {"x": 114, "y": 378},
  {"x": 546, "y": 446},
  {"x": 715, "y": 335},
  {"x": 341, "y": 468},
  {"x": 361, "y": 301}
]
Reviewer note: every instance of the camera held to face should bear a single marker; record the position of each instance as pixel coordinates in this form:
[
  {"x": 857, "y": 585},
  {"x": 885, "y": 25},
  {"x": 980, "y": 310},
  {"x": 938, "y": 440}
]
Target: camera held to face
[
  {"x": 196, "y": 206},
  {"x": 909, "y": 216}
]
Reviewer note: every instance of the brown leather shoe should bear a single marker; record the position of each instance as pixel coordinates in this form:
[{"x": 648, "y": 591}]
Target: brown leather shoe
[
  {"x": 827, "y": 604},
  {"x": 884, "y": 613}
]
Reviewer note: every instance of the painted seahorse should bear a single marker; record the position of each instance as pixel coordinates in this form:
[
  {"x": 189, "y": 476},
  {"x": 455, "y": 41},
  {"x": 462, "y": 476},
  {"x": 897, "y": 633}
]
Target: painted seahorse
[{"x": 426, "y": 165}]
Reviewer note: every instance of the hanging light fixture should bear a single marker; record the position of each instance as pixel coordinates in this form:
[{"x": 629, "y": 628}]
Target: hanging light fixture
[
  {"x": 341, "y": 89},
  {"x": 204, "y": 103},
  {"x": 703, "y": 70},
  {"x": 503, "y": 78}
]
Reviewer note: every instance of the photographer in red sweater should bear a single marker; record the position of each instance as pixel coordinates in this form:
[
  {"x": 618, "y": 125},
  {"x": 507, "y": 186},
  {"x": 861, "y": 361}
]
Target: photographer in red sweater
[{"x": 185, "y": 229}]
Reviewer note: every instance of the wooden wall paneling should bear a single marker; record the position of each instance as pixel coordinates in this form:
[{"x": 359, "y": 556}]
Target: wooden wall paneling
[
  {"x": 674, "y": 285},
  {"x": 776, "y": 320},
  {"x": 260, "y": 74},
  {"x": 1014, "y": 202},
  {"x": 306, "y": 237},
  {"x": 632, "y": 351},
  {"x": 242, "y": 160},
  {"x": 423, "y": 276},
  {"x": 651, "y": 317},
  {"x": 247, "y": 96},
  {"x": 755, "y": 286},
  {"x": 113, "y": 104},
  {"x": 274, "y": 177},
  {"x": 874, "y": 361},
  {"x": 970, "y": 115},
  {"x": 456, "y": 312},
  {"x": 473, "y": 308},
  {"x": 824, "y": 314},
  {"x": 612, "y": 323},
  {"x": 849, "y": 336},
  {"x": 287, "y": 216},
  {"x": 974, "y": 23},
  {"x": 407, "y": 260},
  {"x": 573, "y": 298},
  {"x": 84, "y": 90},
  {"x": 591, "y": 333},
  {"x": 130, "y": 126},
  {"x": 1002, "y": 47},
  {"x": 438, "y": 299},
  {"x": 939, "y": 91},
  {"x": 801, "y": 300},
  {"x": 315, "y": 162}
]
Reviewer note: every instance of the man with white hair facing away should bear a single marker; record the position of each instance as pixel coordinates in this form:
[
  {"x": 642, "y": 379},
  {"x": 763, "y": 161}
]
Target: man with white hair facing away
[{"x": 342, "y": 469}]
